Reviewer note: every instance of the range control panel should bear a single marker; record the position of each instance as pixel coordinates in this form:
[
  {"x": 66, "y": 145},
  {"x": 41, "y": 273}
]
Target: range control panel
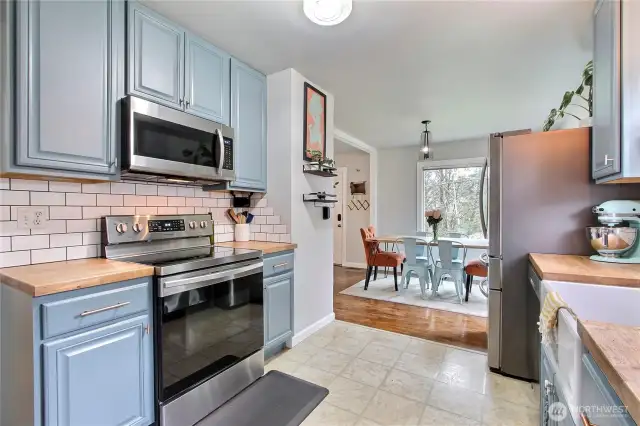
[
  {"x": 227, "y": 161},
  {"x": 168, "y": 225},
  {"x": 128, "y": 229}
]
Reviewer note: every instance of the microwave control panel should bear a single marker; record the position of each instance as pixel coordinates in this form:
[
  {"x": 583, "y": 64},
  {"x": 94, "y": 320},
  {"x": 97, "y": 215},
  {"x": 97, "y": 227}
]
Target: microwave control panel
[{"x": 227, "y": 161}]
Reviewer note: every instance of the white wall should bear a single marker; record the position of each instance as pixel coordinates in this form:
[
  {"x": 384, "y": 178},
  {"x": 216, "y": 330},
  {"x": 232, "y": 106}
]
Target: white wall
[
  {"x": 357, "y": 164},
  {"x": 397, "y": 192},
  {"x": 313, "y": 279}
]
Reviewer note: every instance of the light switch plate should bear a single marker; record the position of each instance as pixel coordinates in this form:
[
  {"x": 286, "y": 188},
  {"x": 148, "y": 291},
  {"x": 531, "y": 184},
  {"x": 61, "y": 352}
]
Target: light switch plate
[{"x": 32, "y": 217}]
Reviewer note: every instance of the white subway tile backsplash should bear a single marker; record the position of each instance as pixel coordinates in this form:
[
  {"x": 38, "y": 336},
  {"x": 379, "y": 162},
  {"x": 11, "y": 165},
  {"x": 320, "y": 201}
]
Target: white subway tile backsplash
[
  {"x": 259, "y": 236},
  {"x": 146, "y": 210},
  {"x": 267, "y": 229},
  {"x": 48, "y": 255},
  {"x": 81, "y": 252},
  {"x": 15, "y": 258},
  {"x": 66, "y": 240},
  {"x": 88, "y": 225},
  {"x": 273, "y": 220},
  {"x": 52, "y": 227},
  {"x": 29, "y": 185},
  {"x": 123, "y": 211},
  {"x": 5, "y": 183},
  {"x": 198, "y": 192},
  {"x": 5, "y": 213},
  {"x": 157, "y": 201},
  {"x": 167, "y": 210},
  {"x": 261, "y": 202},
  {"x": 81, "y": 199},
  {"x": 135, "y": 200},
  {"x": 56, "y": 212},
  {"x": 259, "y": 220},
  {"x": 90, "y": 238},
  {"x": 224, "y": 202},
  {"x": 5, "y": 244},
  {"x": 193, "y": 202},
  {"x": 175, "y": 201},
  {"x": 275, "y": 238},
  {"x": 14, "y": 198},
  {"x": 47, "y": 199},
  {"x": 95, "y": 212},
  {"x": 267, "y": 211},
  {"x": 279, "y": 229},
  {"x": 168, "y": 191},
  {"x": 210, "y": 202},
  {"x": 216, "y": 194},
  {"x": 123, "y": 188},
  {"x": 65, "y": 187},
  {"x": 109, "y": 200},
  {"x": 285, "y": 238},
  {"x": 96, "y": 188},
  {"x": 186, "y": 210},
  {"x": 200, "y": 210},
  {"x": 186, "y": 192},
  {"x": 146, "y": 189},
  {"x": 9, "y": 229},
  {"x": 29, "y": 242}
]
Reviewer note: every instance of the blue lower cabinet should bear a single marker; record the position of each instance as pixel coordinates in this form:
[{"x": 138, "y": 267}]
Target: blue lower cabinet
[
  {"x": 278, "y": 301},
  {"x": 102, "y": 377}
]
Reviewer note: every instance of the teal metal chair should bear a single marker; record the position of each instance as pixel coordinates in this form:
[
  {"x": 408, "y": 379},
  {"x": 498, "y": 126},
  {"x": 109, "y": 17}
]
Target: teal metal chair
[
  {"x": 449, "y": 266},
  {"x": 416, "y": 265},
  {"x": 456, "y": 251}
]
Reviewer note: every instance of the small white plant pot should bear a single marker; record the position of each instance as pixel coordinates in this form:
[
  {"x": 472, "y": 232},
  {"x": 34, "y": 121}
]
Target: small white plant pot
[
  {"x": 586, "y": 122},
  {"x": 242, "y": 232}
]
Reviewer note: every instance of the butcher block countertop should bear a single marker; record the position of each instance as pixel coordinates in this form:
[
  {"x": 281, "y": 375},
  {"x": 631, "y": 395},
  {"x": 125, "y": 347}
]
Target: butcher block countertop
[
  {"x": 56, "y": 277},
  {"x": 581, "y": 269},
  {"x": 266, "y": 247},
  {"x": 616, "y": 350}
]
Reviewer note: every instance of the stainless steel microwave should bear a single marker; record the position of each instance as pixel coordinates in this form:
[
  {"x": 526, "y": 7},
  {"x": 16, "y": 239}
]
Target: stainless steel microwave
[{"x": 168, "y": 144}]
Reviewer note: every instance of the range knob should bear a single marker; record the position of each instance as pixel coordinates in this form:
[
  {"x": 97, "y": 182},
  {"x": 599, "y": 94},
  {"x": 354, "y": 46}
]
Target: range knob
[
  {"x": 138, "y": 227},
  {"x": 203, "y": 224},
  {"x": 192, "y": 224},
  {"x": 121, "y": 228}
]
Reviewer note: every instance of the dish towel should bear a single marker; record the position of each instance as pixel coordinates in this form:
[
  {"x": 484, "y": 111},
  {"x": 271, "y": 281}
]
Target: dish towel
[{"x": 553, "y": 302}]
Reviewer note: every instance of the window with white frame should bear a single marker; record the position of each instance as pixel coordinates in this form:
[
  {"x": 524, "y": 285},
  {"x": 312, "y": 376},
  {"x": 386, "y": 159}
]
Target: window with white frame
[{"x": 453, "y": 187}]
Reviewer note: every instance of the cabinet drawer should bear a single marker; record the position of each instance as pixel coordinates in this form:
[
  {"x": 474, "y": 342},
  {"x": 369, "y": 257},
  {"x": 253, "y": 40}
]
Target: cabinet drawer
[
  {"x": 597, "y": 395},
  {"x": 74, "y": 313},
  {"x": 534, "y": 281},
  {"x": 277, "y": 264}
]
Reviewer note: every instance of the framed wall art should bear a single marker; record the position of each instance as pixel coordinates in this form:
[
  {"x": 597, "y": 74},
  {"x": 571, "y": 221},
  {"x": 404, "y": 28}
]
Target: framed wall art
[{"x": 315, "y": 122}]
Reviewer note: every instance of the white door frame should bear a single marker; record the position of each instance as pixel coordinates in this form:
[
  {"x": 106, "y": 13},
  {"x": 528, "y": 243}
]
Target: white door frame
[{"x": 342, "y": 175}]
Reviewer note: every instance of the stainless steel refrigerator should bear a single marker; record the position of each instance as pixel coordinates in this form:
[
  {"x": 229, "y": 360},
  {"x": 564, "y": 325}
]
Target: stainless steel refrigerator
[{"x": 540, "y": 199}]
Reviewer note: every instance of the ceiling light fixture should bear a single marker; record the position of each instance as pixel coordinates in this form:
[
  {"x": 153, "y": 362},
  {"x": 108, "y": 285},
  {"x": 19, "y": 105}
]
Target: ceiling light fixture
[
  {"x": 425, "y": 140},
  {"x": 327, "y": 12}
]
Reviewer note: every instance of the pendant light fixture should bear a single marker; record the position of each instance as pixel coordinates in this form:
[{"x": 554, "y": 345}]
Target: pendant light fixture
[
  {"x": 327, "y": 12},
  {"x": 425, "y": 140}
]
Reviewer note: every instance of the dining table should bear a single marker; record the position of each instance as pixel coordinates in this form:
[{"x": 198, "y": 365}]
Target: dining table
[{"x": 469, "y": 243}]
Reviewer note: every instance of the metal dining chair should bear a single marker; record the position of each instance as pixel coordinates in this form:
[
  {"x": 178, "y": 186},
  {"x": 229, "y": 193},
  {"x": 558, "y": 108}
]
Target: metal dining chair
[
  {"x": 449, "y": 266},
  {"x": 415, "y": 265},
  {"x": 456, "y": 251}
]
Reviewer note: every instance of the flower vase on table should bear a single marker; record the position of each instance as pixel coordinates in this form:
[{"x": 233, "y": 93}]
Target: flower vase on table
[{"x": 433, "y": 219}]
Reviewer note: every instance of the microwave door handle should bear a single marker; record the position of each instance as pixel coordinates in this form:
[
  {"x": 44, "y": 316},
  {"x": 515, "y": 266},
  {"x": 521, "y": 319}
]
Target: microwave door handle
[{"x": 222, "y": 153}]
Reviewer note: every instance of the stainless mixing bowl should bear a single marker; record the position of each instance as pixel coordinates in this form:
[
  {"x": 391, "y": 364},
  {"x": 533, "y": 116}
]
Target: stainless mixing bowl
[{"x": 612, "y": 241}]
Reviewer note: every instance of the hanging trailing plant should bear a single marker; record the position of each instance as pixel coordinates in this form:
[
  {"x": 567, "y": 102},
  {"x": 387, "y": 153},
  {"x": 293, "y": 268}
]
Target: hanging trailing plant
[{"x": 585, "y": 84}]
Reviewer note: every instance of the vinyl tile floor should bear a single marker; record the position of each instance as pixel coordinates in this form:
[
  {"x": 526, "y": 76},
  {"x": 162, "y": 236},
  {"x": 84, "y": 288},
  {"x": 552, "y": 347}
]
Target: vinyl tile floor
[{"x": 380, "y": 378}]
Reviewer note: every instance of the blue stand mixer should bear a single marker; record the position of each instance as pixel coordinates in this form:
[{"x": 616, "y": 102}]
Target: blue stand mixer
[{"x": 617, "y": 240}]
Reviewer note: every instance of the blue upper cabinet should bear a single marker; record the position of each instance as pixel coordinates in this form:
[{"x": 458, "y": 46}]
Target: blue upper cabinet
[
  {"x": 103, "y": 376},
  {"x": 69, "y": 77},
  {"x": 249, "y": 122},
  {"x": 206, "y": 80},
  {"x": 156, "y": 57}
]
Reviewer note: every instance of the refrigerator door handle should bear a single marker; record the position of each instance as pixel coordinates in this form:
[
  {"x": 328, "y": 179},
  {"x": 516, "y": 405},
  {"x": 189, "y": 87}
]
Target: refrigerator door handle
[
  {"x": 495, "y": 273},
  {"x": 483, "y": 220}
]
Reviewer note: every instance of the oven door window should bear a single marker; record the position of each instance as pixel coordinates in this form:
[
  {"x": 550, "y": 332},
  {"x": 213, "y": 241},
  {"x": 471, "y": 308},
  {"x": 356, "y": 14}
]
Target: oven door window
[
  {"x": 164, "y": 140},
  {"x": 205, "y": 331}
]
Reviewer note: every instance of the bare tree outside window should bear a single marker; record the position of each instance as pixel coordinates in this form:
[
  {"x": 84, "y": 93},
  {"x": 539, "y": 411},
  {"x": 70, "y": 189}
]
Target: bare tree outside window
[{"x": 455, "y": 191}]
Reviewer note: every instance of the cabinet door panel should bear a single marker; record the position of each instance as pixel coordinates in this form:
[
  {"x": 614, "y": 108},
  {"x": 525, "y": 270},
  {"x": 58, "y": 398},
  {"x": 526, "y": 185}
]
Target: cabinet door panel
[
  {"x": 103, "y": 377},
  {"x": 249, "y": 121},
  {"x": 278, "y": 307},
  {"x": 68, "y": 84},
  {"x": 206, "y": 80},
  {"x": 606, "y": 141},
  {"x": 156, "y": 57}
]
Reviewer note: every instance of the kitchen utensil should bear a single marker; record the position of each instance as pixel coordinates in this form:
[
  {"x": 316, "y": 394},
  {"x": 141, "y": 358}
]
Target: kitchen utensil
[
  {"x": 249, "y": 217},
  {"x": 232, "y": 214},
  {"x": 613, "y": 242}
]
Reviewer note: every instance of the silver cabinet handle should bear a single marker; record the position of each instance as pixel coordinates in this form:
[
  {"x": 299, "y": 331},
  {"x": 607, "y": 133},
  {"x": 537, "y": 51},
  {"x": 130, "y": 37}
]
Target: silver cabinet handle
[
  {"x": 106, "y": 308},
  {"x": 280, "y": 265},
  {"x": 607, "y": 159},
  {"x": 181, "y": 102},
  {"x": 187, "y": 103}
]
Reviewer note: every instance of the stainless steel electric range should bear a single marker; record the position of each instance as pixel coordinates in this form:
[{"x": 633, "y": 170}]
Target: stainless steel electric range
[{"x": 208, "y": 312}]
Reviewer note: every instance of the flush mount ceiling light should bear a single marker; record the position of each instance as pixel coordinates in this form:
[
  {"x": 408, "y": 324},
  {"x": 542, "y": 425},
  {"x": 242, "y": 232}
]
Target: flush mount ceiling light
[
  {"x": 425, "y": 140},
  {"x": 327, "y": 12}
]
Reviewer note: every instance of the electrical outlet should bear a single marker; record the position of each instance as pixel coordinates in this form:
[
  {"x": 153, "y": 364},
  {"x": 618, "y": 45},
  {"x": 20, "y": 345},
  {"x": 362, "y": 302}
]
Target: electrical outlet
[{"x": 32, "y": 217}]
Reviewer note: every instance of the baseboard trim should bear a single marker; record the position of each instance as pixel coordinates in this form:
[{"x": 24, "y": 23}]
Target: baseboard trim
[
  {"x": 299, "y": 337},
  {"x": 355, "y": 265}
]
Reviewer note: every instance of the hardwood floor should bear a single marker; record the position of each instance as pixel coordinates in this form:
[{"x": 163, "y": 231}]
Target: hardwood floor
[{"x": 441, "y": 326}]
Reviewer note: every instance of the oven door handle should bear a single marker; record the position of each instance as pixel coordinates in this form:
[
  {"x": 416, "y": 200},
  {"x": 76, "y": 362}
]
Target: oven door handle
[{"x": 184, "y": 284}]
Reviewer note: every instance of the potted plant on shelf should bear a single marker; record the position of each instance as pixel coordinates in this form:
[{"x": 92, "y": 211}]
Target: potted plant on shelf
[
  {"x": 323, "y": 163},
  {"x": 434, "y": 217},
  {"x": 560, "y": 112}
]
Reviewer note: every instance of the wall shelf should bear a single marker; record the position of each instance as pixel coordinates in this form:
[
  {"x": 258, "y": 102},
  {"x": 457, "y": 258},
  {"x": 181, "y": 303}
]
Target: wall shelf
[
  {"x": 318, "y": 170},
  {"x": 326, "y": 201}
]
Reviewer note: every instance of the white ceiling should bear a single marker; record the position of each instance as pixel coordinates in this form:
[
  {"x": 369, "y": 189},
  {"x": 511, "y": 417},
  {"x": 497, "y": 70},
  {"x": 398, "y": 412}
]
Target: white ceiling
[
  {"x": 472, "y": 67},
  {"x": 340, "y": 147}
]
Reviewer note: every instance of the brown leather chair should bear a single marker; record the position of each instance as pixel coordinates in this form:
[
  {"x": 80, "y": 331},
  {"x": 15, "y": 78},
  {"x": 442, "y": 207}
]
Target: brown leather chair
[
  {"x": 475, "y": 268},
  {"x": 375, "y": 257}
]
